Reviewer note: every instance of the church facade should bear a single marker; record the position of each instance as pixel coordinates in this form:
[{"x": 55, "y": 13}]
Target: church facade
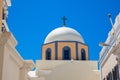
[{"x": 65, "y": 56}]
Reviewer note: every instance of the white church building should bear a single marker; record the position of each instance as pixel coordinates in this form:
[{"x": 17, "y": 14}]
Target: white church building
[{"x": 65, "y": 56}]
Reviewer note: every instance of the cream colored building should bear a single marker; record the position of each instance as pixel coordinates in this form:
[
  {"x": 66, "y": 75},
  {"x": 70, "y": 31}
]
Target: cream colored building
[
  {"x": 65, "y": 57},
  {"x": 12, "y": 65},
  {"x": 109, "y": 62}
]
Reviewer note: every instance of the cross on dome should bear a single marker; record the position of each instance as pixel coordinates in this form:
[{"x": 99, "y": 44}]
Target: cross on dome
[{"x": 64, "y": 19}]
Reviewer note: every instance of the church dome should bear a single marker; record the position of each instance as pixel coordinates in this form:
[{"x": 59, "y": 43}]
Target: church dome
[{"x": 63, "y": 34}]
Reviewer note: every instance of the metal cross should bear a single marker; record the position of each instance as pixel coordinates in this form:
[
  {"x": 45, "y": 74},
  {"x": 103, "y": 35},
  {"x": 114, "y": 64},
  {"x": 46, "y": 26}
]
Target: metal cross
[{"x": 64, "y": 19}]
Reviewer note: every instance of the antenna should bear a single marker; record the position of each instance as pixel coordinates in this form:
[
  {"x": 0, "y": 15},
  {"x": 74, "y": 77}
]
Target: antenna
[
  {"x": 110, "y": 17},
  {"x": 114, "y": 34}
]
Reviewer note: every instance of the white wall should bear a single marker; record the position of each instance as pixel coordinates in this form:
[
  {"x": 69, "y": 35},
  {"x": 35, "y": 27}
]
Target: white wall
[
  {"x": 67, "y": 70},
  {"x": 108, "y": 65},
  {"x": 14, "y": 67},
  {"x": 10, "y": 67}
]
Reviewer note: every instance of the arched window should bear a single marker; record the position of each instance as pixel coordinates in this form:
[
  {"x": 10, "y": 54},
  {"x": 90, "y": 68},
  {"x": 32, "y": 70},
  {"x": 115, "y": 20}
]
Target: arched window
[
  {"x": 48, "y": 54},
  {"x": 83, "y": 54},
  {"x": 66, "y": 53}
]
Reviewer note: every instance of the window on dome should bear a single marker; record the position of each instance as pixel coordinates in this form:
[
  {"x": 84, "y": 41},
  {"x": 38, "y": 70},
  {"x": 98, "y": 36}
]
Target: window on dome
[
  {"x": 66, "y": 53},
  {"x": 48, "y": 54},
  {"x": 83, "y": 54}
]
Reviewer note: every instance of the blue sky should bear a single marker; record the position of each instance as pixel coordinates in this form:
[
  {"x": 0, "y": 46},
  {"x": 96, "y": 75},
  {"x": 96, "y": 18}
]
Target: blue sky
[{"x": 31, "y": 20}]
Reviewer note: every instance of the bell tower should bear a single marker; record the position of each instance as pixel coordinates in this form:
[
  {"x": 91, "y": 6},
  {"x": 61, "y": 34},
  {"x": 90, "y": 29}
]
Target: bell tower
[{"x": 64, "y": 43}]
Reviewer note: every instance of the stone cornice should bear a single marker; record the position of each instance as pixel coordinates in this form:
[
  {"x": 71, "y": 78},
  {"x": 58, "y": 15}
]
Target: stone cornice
[
  {"x": 29, "y": 64},
  {"x": 9, "y": 42},
  {"x": 8, "y": 38}
]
